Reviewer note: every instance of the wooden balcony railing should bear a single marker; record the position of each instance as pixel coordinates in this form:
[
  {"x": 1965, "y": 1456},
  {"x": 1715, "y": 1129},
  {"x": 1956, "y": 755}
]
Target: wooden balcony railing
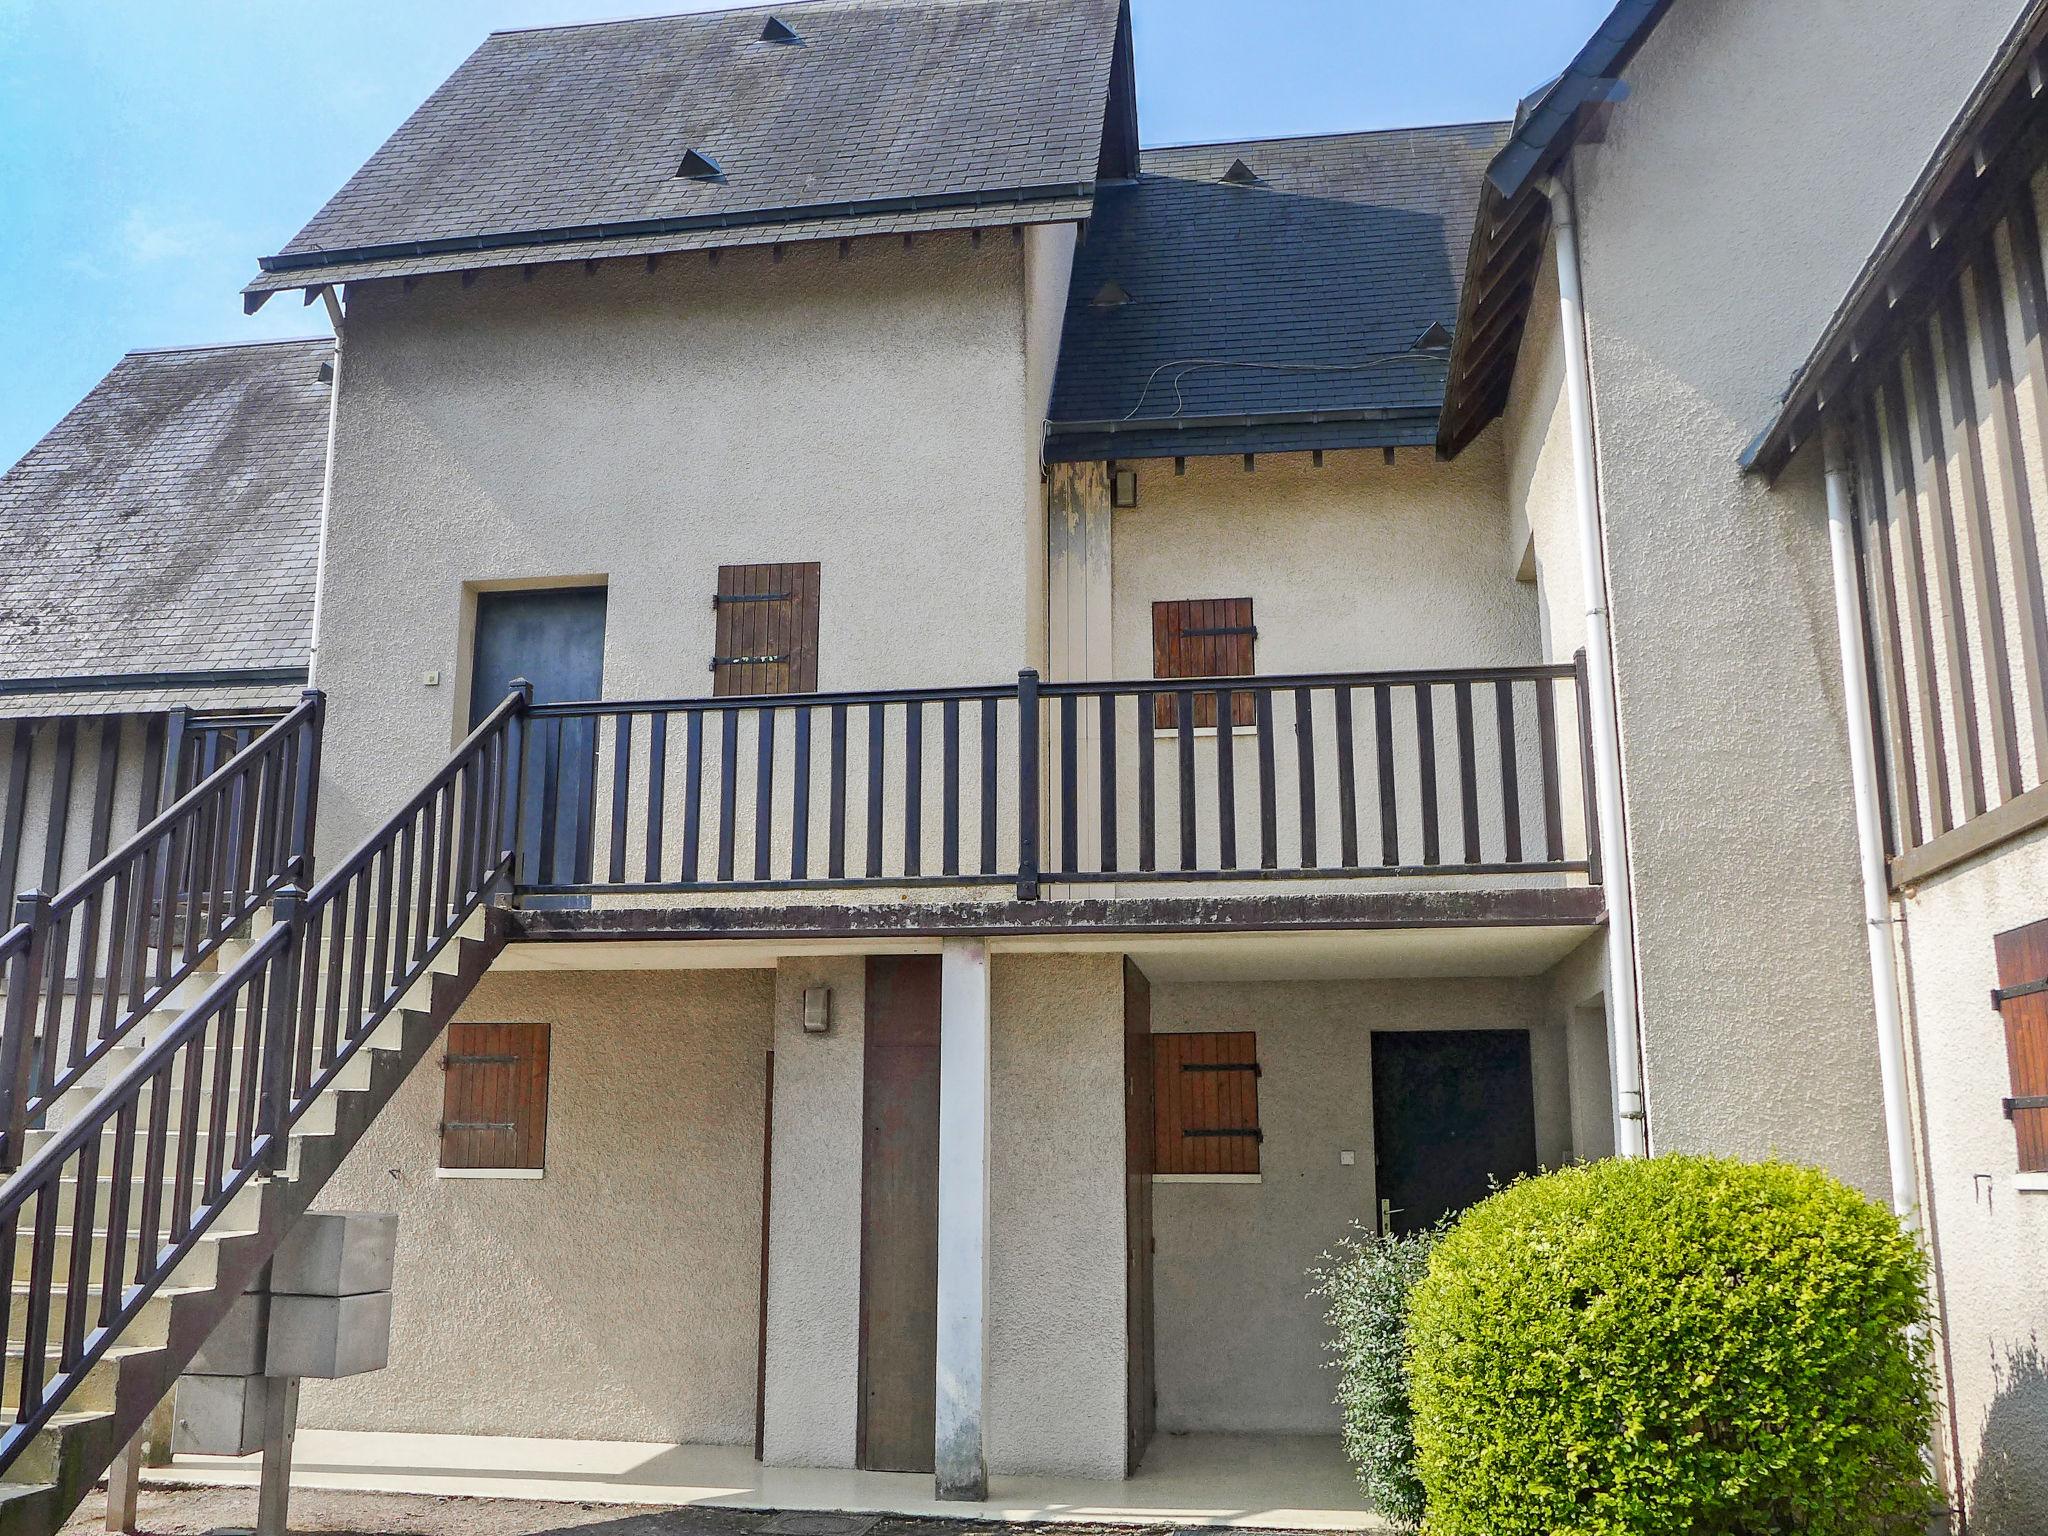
[{"x": 1413, "y": 775}]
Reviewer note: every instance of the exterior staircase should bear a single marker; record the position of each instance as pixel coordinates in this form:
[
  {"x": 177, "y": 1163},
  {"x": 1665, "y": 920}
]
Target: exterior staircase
[{"x": 162, "y": 1160}]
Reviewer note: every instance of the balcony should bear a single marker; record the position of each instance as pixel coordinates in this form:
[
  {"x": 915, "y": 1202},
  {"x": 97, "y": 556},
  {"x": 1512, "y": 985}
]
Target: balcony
[{"x": 1314, "y": 788}]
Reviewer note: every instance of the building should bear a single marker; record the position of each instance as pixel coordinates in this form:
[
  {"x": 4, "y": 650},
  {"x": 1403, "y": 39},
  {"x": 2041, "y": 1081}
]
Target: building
[{"x": 1039, "y": 727}]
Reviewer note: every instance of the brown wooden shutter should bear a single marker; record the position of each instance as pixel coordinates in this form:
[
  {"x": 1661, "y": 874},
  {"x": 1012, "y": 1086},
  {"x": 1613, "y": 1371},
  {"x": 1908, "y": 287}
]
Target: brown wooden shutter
[
  {"x": 767, "y": 630},
  {"x": 494, "y": 1096},
  {"x": 1205, "y": 1091},
  {"x": 2023, "y": 1003},
  {"x": 1208, "y": 637}
]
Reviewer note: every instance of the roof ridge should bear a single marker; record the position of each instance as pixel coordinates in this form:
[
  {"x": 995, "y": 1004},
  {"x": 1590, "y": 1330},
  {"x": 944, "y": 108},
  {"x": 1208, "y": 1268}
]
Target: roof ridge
[
  {"x": 1331, "y": 133},
  {"x": 718, "y": 10},
  {"x": 228, "y": 346}
]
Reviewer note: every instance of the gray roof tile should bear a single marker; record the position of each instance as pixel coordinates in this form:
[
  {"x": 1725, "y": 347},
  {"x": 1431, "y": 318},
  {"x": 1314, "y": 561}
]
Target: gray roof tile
[
  {"x": 171, "y": 521},
  {"x": 575, "y": 128},
  {"x": 1300, "y": 294}
]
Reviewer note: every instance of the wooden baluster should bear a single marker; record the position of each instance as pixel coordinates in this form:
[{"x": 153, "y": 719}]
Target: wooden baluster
[
  {"x": 764, "y": 793},
  {"x": 1070, "y": 783},
  {"x": 990, "y": 762},
  {"x": 1510, "y": 767},
  {"x": 913, "y": 788},
  {"x": 1226, "y": 778},
  {"x": 1347, "y": 781},
  {"x": 1148, "y": 785},
  {"x": 1468, "y": 768},
  {"x": 876, "y": 759},
  {"x": 1305, "y": 771},
  {"x": 1425, "y": 752},
  {"x": 835, "y": 855},
  {"x": 949, "y": 787},
  {"x": 1106, "y": 745},
  {"x": 693, "y": 792},
  {"x": 1184, "y": 740},
  {"x": 728, "y": 790},
  {"x": 1546, "y": 741},
  {"x": 657, "y": 792},
  {"x": 622, "y": 789},
  {"x": 1269, "y": 818}
]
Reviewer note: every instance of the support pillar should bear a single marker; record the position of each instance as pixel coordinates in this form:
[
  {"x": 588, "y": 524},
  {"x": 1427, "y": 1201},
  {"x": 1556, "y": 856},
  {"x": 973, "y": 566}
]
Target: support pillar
[
  {"x": 960, "y": 1457},
  {"x": 280, "y": 1427}
]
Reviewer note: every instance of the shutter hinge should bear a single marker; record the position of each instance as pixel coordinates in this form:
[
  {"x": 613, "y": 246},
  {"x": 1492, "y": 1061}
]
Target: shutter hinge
[
  {"x": 477, "y": 1125},
  {"x": 722, "y": 598},
  {"x": 1221, "y": 629},
  {"x": 477, "y": 1061},
  {"x": 748, "y": 661},
  {"x": 1222, "y": 1066},
  {"x": 2000, "y": 996},
  {"x": 2025, "y": 1101},
  {"x": 1254, "y": 1132}
]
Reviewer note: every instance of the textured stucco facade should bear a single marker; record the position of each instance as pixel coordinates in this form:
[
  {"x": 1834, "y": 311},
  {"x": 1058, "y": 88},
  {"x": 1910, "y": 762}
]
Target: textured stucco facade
[
  {"x": 1242, "y": 1346},
  {"x": 615, "y": 1298},
  {"x": 1987, "y": 1232},
  {"x": 1761, "y": 152},
  {"x": 874, "y": 413}
]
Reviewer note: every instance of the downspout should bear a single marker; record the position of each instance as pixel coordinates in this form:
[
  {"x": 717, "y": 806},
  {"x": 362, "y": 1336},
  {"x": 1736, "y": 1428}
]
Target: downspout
[
  {"x": 1625, "y": 1040},
  {"x": 334, "y": 318},
  {"x": 1877, "y": 908}
]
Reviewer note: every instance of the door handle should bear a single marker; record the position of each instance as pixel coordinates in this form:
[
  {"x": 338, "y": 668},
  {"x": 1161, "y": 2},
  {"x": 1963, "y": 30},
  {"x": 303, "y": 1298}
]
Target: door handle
[{"x": 1388, "y": 1210}]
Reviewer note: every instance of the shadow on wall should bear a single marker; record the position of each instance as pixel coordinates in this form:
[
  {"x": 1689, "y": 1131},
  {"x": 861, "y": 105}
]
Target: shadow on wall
[{"x": 2009, "y": 1493}]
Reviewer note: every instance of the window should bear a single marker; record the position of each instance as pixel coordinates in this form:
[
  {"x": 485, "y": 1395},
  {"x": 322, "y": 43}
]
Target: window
[
  {"x": 1211, "y": 637},
  {"x": 767, "y": 631},
  {"x": 2023, "y": 1004},
  {"x": 494, "y": 1098},
  {"x": 1205, "y": 1092}
]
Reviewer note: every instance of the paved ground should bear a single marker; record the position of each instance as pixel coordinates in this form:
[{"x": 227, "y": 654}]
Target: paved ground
[{"x": 203, "y": 1511}]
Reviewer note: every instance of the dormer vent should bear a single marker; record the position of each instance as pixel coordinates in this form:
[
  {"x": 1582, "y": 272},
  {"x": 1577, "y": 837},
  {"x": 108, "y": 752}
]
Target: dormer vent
[
  {"x": 1241, "y": 175},
  {"x": 1436, "y": 339},
  {"x": 698, "y": 166},
  {"x": 1111, "y": 295},
  {"x": 780, "y": 31}
]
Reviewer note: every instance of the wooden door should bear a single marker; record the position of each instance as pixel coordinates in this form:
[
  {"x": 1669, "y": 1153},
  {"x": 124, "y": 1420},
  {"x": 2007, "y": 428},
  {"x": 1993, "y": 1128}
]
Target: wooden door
[
  {"x": 899, "y": 1246},
  {"x": 555, "y": 640},
  {"x": 1141, "y": 1410},
  {"x": 1453, "y": 1114}
]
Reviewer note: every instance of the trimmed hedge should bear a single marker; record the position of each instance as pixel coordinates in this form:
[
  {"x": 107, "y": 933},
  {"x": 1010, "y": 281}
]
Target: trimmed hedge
[
  {"x": 1366, "y": 1279},
  {"x": 1677, "y": 1344}
]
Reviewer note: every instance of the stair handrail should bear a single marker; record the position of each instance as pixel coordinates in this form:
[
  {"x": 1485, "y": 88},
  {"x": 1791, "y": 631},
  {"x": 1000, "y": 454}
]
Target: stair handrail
[
  {"x": 219, "y": 851},
  {"x": 274, "y": 1024}
]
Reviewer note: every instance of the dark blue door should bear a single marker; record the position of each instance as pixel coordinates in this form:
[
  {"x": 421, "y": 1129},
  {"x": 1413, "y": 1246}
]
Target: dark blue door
[{"x": 555, "y": 640}]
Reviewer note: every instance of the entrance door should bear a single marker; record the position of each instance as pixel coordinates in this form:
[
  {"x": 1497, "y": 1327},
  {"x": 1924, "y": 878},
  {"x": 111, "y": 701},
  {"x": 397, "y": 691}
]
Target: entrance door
[
  {"x": 1453, "y": 1113},
  {"x": 899, "y": 1240},
  {"x": 554, "y": 639}
]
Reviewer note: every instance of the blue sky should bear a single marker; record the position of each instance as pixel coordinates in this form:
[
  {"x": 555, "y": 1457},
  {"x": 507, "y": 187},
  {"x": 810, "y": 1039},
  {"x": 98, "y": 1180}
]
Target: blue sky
[{"x": 151, "y": 150}]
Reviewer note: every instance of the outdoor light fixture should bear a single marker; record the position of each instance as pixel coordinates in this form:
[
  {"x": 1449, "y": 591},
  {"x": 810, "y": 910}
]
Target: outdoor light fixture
[
  {"x": 1123, "y": 488},
  {"x": 817, "y": 1010}
]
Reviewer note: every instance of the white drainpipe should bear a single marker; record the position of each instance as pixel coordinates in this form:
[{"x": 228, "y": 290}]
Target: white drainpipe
[
  {"x": 1877, "y": 908},
  {"x": 334, "y": 318},
  {"x": 1625, "y": 1041}
]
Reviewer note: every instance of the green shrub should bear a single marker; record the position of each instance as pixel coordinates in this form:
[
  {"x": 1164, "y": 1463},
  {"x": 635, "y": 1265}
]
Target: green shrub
[
  {"x": 1366, "y": 1279},
  {"x": 1674, "y": 1345}
]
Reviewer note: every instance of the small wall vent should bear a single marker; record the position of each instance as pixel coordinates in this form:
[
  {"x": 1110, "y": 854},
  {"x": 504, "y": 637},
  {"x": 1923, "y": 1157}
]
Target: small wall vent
[
  {"x": 1241, "y": 175},
  {"x": 698, "y": 166},
  {"x": 780, "y": 31},
  {"x": 1111, "y": 295},
  {"x": 1436, "y": 339}
]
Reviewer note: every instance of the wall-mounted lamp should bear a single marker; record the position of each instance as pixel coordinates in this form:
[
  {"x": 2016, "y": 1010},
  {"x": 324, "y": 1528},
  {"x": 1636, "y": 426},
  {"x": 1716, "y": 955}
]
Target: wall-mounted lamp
[
  {"x": 1123, "y": 488},
  {"x": 817, "y": 1010}
]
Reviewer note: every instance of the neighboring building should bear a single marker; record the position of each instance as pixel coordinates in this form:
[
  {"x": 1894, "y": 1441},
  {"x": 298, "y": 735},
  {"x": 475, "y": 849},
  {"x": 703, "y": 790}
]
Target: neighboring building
[{"x": 1069, "y": 760}]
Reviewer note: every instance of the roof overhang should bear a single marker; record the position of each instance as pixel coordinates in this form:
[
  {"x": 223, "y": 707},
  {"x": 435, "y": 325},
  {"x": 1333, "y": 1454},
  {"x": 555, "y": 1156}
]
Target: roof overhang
[
  {"x": 1077, "y": 442},
  {"x": 1063, "y": 204},
  {"x": 1509, "y": 234},
  {"x": 1995, "y": 144}
]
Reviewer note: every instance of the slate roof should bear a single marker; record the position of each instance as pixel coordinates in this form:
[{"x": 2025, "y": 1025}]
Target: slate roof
[
  {"x": 576, "y": 133},
  {"x": 169, "y": 523},
  {"x": 1274, "y": 317}
]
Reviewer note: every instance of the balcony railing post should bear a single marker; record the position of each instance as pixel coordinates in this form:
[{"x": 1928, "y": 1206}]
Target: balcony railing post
[
  {"x": 306, "y": 791},
  {"x": 517, "y": 743},
  {"x": 1588, "y": 790},
  {"x": 281, "y": 999},
  {"x": 1028, "y": 786},
  {"x": 17, "y": 1031}
]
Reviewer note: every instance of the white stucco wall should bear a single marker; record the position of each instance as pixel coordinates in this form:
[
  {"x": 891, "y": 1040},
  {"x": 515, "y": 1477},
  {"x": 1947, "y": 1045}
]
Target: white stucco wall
[
  {"x": 1240, "y": 1343},
  {"x": 1989, "y": 1236},
  {"x": 1761, "y": 152},
  {"x": 873, "y": 413},
  {"x": 813, "y": 1368},
  {"x": 1057, "y": 1344},
  {"x": 617, "y": 1297}
]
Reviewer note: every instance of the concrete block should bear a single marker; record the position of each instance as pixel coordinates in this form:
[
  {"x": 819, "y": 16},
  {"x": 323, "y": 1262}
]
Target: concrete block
[
  {"x": 336, "y": 1253},
  {"x": 235, "y": 1348},
  {"x": 219, "y": 1415},
  {"x": 324, "y": 1337}
]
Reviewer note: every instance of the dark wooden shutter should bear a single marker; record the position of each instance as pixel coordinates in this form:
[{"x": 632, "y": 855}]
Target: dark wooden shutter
[
  {"x": 494, "y": 1096},
  {"x": 1206, "y": 1103},
  {"x": 1208, "y": 637},
  {"x": 767, "y": 631},
  {"x": 2023, "y": 1003}
]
